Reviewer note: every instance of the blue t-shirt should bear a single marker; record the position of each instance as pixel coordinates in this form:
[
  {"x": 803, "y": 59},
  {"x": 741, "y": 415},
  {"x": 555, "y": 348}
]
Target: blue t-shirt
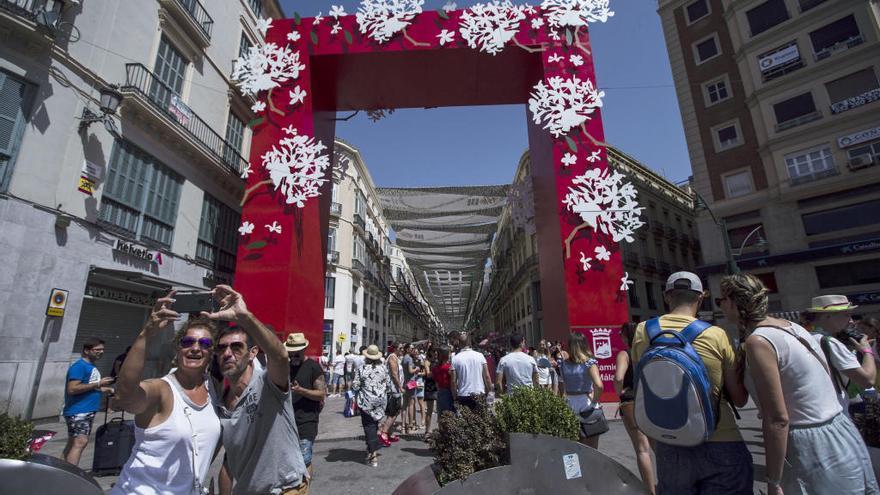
[
  {"x": 577, "y": 377},
  {"x": 84, "y": 372}
]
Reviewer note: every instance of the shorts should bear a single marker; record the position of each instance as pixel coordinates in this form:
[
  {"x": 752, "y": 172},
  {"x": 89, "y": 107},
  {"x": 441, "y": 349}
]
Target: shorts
[
  {"x": 711, "y": 468},
  {"x": 337, "y": 380},
  {"x": 420, "y": 393},
  {"x": 305, "y": 445},
  {"x": 79, "y": 424}
]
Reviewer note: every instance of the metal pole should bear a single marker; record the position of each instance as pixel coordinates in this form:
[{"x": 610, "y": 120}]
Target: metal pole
[
  {"x": 732, "y": 267},
  {"x": 48, "y": 327}
]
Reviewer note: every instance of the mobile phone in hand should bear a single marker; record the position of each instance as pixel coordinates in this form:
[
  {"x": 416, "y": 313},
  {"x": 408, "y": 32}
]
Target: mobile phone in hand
[{"x": 194, "y": 302}]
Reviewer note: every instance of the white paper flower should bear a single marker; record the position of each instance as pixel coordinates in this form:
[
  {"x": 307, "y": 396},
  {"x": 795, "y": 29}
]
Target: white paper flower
[
  {"x": 294, "y": 36},
  {"x": 336, "y": 28},
  {"x": 382, "y": 19},
  {"x": 576, "y": 60},
  {"x": 266, "y": 67},
  {"x": 602, "y": 253},
  {"x": 594, "y": 156},
  {"x": 275, "y": 228},
  {"x": 569, "y": 159},
  {"x": 450, "y": 6},
  {"x": 317, "y": 19},
  {"x": 537, "y": 22},
  {"x": 625, "y": 282},
  {"x": 297, "y": 167},
  {"x": 446, "y": 36},
  {"x": 298, "y": 95},
  {"x": 337, "y": 11},
  {"x": 246, "y": 171},
  {"x": 488, "y": 27},
  {"x": 585, "y": 262},
  {"x": 263, "y": 25},
  {"x": 529, "y": 9},
  {"x": 606, "y": 203},
  {"x": 258, "y": 106},
  {"x": 562, "y": 104},
  {"x": 575, "y": 13},
  {"x": 554, "y": 35},
  {"x": 246, "y": 228},
  {"x": 554, "y": 58}
]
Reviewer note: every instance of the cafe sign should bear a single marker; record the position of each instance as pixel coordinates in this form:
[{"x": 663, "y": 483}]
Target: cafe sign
[{"x": 859, "y": 137}]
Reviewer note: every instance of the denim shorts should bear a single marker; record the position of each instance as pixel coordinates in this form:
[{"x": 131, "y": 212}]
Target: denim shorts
[
  {"x": 306, "y": 446},
  {"x": 79, "y": 424},
  {"x": 337, "y": 380},
  {"x": 712, "y": 468}
]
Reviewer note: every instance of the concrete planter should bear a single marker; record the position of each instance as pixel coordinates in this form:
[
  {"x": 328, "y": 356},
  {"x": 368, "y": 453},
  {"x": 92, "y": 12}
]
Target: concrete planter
[
  {"x": 44, "y": 474},
  {"x": 538, "y": 464}
]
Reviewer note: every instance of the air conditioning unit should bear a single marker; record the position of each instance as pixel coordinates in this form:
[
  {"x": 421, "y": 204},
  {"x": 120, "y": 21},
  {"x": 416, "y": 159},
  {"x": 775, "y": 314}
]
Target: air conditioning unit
[{"x": 862, "y": 161}]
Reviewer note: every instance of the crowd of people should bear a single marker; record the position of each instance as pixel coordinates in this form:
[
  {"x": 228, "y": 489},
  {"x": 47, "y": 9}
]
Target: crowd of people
[{"x": 237, "y": 386}]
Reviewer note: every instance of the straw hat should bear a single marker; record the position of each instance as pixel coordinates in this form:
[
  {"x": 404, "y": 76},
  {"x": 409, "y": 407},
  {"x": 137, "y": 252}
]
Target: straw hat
[
  {"x": 830, "y": 304},
  {"x": 296, "y": 342},
  {"x": 372, "y": 352}
]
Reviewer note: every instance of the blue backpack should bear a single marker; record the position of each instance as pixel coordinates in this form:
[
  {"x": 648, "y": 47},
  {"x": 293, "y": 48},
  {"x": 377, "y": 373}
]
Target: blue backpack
[{"x": 673, "y": 398}]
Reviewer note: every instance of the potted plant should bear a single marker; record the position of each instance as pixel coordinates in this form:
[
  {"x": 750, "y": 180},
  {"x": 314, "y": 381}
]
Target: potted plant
[{"x": 24, "y": 472}]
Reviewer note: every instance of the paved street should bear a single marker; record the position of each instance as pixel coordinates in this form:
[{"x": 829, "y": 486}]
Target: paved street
[{"x": 339, "y": 467}]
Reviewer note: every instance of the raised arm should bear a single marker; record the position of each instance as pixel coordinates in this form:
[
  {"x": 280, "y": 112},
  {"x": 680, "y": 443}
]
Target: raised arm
[
  {"x": 234, "y": 309},
  {"x": 864, "y": 375},
  {"x": 132, "y": 394}
]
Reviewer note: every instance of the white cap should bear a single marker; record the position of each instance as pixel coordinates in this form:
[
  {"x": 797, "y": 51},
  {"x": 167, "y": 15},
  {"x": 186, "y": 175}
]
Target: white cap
[{"x": 684, "y": 280}]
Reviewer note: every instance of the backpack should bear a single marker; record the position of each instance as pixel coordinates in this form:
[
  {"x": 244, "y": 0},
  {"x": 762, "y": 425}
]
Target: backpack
[{"x": 673, "y": 393}]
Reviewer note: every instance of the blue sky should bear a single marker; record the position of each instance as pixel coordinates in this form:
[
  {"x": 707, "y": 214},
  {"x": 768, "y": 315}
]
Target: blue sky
[{"x": 482, "y": 145}]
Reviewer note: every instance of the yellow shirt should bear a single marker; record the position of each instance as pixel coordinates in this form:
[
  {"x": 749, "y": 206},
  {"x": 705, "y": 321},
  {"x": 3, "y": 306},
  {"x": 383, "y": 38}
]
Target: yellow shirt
[{"x": 714, "y": 348}]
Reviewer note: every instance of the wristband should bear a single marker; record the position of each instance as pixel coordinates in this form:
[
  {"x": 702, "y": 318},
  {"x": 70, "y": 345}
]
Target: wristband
[
  {"x": 867, "y": 350},
  {"x": 774, "y": 482}
]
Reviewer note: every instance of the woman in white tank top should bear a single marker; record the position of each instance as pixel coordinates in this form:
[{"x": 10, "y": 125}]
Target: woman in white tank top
[{"x": 176, "y": 427}]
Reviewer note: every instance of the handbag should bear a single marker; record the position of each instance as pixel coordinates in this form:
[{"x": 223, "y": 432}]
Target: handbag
[
  {"x": 412, "y": 385},
  {"x": 593, "y": 422},
  {"x": 392, "y": 407}
]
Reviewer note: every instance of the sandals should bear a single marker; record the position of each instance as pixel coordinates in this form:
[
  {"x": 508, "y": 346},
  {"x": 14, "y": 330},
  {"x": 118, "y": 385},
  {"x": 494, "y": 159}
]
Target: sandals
[
  {"x": 383, "y": 438},
  {"x": 373, "y": 459}
]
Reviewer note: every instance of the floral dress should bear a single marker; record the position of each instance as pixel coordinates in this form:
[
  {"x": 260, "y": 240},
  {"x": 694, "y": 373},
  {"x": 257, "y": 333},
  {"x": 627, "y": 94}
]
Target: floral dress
[{"x": 371, "y": 383}]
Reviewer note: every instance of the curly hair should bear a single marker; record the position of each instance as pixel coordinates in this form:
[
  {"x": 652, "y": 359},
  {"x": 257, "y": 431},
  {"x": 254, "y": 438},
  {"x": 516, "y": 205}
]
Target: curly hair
[{"x": 749, "y": 295}]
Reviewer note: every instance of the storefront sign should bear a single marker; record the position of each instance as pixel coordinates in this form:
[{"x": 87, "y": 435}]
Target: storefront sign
[
  {"x": 849, "y": 248},
  {"x": 779, "y": 57},
  {"x": 864, "y": 298},
  {"x": 136, "y": 251},
  {"x": 86, "y": 185},
  {"x": 57, "y": 303},
  {"x": 605, "y": 342},
  {"x": 120, "y": 295},
  {"x": 180, "y": 110},
  {"x": 859, "y": 137}
]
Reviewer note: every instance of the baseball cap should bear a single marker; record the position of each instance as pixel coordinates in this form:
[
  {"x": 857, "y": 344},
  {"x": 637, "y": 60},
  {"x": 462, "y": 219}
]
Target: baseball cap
[{"x": 684, "y": 280}]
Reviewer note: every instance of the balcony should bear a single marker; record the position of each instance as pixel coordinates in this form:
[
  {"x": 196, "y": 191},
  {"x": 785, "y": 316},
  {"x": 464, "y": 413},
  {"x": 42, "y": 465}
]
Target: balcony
[
  {"x": 856, "y": 101},
  {"x": 803, "y": 119},
  {"x": 35, "y": 14},
  {"x": 335, "y": 209},
  {"x": 358, "y": 267},
  {"x": 333, "y": 257},
  {"x": 191, "y": 16},
  {"x": 840, "y": 46},
  {"x": 148, "y": 95},
  {"x": 360, "y": 223}
]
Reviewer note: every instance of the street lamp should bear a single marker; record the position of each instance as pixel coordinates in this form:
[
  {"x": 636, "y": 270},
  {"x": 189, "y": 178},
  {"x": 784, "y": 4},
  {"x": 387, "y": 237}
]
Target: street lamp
[
  {"x": 109, "y": 102},
  {"x": 761, "y": 241}
]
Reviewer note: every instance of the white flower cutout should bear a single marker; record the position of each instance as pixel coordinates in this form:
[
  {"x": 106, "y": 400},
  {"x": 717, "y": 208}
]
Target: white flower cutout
[
  {"x": 576, "y": 60},
  {"x": 266, "y": 67},
  {"x": 488, "y": 27},
  {"x": 554, "y": 35},
  {"x": 258, "y": 106},
  {"x": 562, "y": 104},
  {"x": 602, "y": 253},
  {"x": 275, "y": 228},
  {"x": 606, "y": 203},
  {"x": 382, "y": 19},
  {"x": 569, "y": 159},
  {"x": 575, "y": 13},
  {"x": 554, "y": 58},
  {"x": 263, "y": 25},
  {"x": 529, "y": 9},
  {"x": 317, "y": 19},
  {"x": 585, "y": 262},
  {"x": 595, "y": 156},
  {"x": 337, "y": 11},
  {"x": 246, "y": 228},
  {"x": 246, "y": 171},
  {"x": 336, "y": 28},
  {"x": 446, "y": 36},
  {"x": 297, "y": 96},
  {"x": 625, "y": 282},
  {"x": 450, "y": 6},
  {"x": 537, "y": 22},
  {"x": 294, "y": 36},
  {"x": 297, "y": 166}
]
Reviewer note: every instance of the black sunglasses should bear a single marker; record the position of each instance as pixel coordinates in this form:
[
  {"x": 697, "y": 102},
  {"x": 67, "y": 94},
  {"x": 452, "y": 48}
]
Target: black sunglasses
[
  {"x": 237, "y": 347},
  {"x": 204, "y": 342}
]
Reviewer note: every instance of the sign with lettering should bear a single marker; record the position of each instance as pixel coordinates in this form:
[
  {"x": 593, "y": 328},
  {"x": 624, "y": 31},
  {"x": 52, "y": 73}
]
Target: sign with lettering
[
  {"x": 136, "y": 251},
  {"x": 180, "y": 110},
  {"x": 57, "y": 303},
  {"x": 86, "y": 185},
  {"x": 604, "y": 342},
  {"x": 779, "y": 57},
  {"x": 120, "y": 295},
  {"x": 859, "y": 137}
]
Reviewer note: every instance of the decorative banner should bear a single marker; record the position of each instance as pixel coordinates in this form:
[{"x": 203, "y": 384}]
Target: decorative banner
[
  {"x": 86, "y": 185},
  {"x": 605, "y": 342}
]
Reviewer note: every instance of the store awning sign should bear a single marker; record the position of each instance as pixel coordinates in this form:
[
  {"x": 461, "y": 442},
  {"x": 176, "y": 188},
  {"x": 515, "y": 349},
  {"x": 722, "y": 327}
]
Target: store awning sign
[{"x": 57, "y": 303}]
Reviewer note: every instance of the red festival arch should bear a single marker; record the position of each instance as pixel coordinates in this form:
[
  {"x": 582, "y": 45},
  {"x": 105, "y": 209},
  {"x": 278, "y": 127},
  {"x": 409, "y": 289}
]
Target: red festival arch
[{"x": 312, "y": 68}]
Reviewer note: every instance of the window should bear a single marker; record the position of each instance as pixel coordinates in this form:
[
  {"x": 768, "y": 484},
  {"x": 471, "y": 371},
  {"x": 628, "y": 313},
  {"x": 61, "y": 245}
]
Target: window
[
  {"x": 328, "y": 333},
  {"x": 769, "y": 280},
  {"x": 633, "y": 296},
  {"x": 868, "y": 151},
  {"x": 780, "y": 61},
  {"x": 795, "y": 111},
  {"x": 739, "y": 235},
  {"x": 15, "y": 100},
  {"x": 234, "y": 138},
  {"x": 257, "y": 7},
  {"x": 170, "y": 69},
  {"x": 354, "y": 332},
  {"x": 737, "y": 184},
  {"x": 649, "y": 291},
  {"x": 805, "y": 166},
  {"x": 716, "y": 91},
  {"x": 331, "y": 239},
  {"x": 697, "y": 11},
  {"x": 852, "y": 273},
  {"x": 844, "y": 217},
  {"x": 354, "y": 303},
  {"x": 728, "y": 137},
  {"x": 244, "y": 46},
  {"x": 766, "y": 15},
  {"x": 140, "y": 195},
  {"x": 839, "y": 35},
  {"x": 329, "y": 292},
  {"x": 706, "y": 49},
  {"x": 854, "y": 90},
  {"x": 218, "y": 234}
]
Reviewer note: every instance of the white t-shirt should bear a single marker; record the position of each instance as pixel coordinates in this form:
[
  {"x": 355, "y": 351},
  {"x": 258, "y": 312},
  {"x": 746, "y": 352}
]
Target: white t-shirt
[
  {"x": 517, "y": 368},
  {"x": 841, "y": 359},
  {"x": 351, "y": 363},
  {"x": 544, "y": 369},
  {"x": 806, "y": 386},
  {"x": 338, "y": 364},
  {"x": 468, "y": 366}
]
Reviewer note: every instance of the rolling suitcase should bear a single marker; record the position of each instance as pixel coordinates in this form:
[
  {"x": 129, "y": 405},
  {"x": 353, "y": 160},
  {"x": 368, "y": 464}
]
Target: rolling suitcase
[{"x": 114, "y": 442}]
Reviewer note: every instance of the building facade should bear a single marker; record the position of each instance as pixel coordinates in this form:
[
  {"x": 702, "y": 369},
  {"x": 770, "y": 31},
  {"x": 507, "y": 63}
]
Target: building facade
[
  {"x": 411, "y": 318},
  {"x": 114, "y": 205},
  {"x": 779, "y": 105}
]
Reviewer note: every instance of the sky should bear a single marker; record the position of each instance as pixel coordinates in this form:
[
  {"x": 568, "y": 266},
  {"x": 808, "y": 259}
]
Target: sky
[{"x": 482, "y": 145}]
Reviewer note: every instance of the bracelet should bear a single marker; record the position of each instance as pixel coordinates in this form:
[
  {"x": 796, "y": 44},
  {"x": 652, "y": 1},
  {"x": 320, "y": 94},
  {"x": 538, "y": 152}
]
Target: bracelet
[
  {"x": 867, "y": 350},
  {"x": 774, "y": 482}
]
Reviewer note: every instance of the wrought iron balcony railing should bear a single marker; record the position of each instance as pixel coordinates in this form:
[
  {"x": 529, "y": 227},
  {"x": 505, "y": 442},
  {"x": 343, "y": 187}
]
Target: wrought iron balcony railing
[
  {"x": 336, "y": 209},
  {"x": 333, "y": 257},
  {"x": 198, "y": 14},
  {"x": 143, "y": 83},
  {"x": 43, "y": 13}
]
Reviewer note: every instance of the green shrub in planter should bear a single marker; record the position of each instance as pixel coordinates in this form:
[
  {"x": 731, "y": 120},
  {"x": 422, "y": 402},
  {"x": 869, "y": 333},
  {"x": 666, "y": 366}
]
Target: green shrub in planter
[
  {"x": 466, "y": 443},
  {"x": 537, "y": 410},
  {"x": 14, "y": 436}
]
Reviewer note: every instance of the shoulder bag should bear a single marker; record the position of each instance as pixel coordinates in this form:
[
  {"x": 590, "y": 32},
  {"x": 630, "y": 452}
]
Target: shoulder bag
[{"x": 593, "y": 422}]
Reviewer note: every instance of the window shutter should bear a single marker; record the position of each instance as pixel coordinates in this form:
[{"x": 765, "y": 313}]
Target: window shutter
[{"x": 13, "y": 100}]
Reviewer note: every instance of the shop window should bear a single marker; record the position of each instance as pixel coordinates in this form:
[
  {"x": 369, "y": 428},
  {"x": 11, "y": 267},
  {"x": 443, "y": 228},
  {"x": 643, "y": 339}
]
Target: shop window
[
  {"x": 809, "y": 165},
  {"x": 707, "y": 49},
  {"x": 795, "y": 111},
  {"x": 839, "y": 35},
  {"x": 329, "y": 292},
  {"x": 697, "y": 10},
  {"x": 846, "y": 274},
  {"x": 845, "y": 217},
  {"x": 766, "y": 15},
  {"x": 738, "y": 184},
  {"x": 218, "y": 234},
  {"x": 141, "y": 196}
]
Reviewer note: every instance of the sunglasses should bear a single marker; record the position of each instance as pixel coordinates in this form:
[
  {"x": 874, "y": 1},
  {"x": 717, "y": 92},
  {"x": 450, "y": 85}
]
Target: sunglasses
[
  {"x": 237, "y": 347},
  {"x": 204, "y": 342}
]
